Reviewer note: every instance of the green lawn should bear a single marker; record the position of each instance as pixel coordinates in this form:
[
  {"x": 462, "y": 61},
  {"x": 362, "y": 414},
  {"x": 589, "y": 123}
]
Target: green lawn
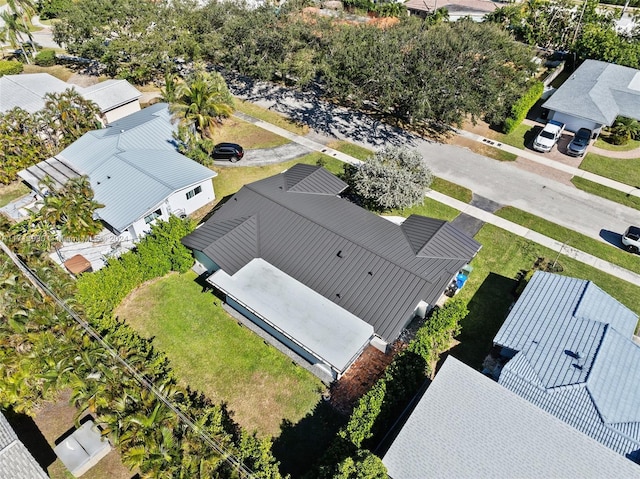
[
  {"x": 517, "y": 137},
  {"x": 231, "y": 179},
  {"x": 270, "y": 117},
  {"x": 491, "y": 285},
  {"x": 606, "y": 192},
  {"x": 212, "y": 353},
  {"x": 624, "y": 171},
  {"x": 359, "y": 152},
  {"x": 631, "y": 145},
  {"x": 12, "y": 191},
  {"x": 579, "y": 241},
  {"x": 451, "y": 189},
  {"x": 247, "y": 134}
]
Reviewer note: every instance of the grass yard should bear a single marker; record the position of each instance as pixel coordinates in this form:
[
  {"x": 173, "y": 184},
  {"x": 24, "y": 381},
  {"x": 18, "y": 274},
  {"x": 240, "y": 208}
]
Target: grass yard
[
  {"x": 631, "y": 145},
  {"x": 251, "y": 137},
  {"x": 270, "y": 116},
  {"x": 12, "y": 191},
  {"x": 230, "y": 180},
  {"x": 451, "y": 189},
  {"x": 625, "y": 171},
  {"x": 579, "y": 241},
  {"x": 483, "y": 149},
  {"x": 491, "y": 285},
  {"x": 430, "y": 208},
  {"x": 59, "y": 71},
  {"x": 212, "y": 353},
  {"x": 606, "y": 192},
  {"x": 351, "y": 149},
  {"x": 517, "y": 137}
]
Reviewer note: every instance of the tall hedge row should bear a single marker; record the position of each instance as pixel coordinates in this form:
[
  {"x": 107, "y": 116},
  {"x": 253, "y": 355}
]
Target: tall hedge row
[
  {"x": 521, "y": 107},
  {"x": 158, "y": 253}
]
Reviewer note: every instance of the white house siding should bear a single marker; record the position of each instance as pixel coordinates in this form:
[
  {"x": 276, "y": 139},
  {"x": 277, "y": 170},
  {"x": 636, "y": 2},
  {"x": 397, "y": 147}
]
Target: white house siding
[
  {"x": 178, "y": 202},
  {"x": 121, "y": 111},
  {"x": 572, "y": 123}
]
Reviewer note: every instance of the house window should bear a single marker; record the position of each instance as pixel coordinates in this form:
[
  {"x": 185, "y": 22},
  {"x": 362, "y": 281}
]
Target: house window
[
  {"x": 152, "y": 216},
  {"x": 194, "y": 192}
]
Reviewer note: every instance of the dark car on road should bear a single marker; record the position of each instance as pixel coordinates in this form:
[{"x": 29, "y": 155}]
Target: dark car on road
[
  {"x": 228, "y": 151},
  {"x": 580, "y": 142}
]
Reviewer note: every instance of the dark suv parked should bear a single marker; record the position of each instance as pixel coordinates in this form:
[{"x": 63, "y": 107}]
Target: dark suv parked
[
  {"x": 580, "y": 142},
  {"x": 227, "y": 151}
]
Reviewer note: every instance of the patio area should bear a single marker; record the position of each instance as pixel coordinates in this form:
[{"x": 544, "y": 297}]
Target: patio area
[{"x": 97, "y": 250}]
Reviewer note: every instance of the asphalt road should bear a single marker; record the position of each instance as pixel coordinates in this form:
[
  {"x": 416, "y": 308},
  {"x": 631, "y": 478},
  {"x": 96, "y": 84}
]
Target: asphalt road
[{"x": 500, "y": 182}]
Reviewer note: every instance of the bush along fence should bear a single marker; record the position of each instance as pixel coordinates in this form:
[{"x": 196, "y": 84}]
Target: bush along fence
[
  {"x": 378, "y": 409},
  {"x": 49, "y": 352},
  {"x": 522, "y": 106}
]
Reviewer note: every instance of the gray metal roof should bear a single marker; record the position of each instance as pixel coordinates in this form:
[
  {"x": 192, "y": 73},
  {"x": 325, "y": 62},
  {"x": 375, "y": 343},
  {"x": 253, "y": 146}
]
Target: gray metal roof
[
  {"x": 58, "y": 170},
  {"x": 111, "y": 94},
  {"x": 132, "y": 165},
  {"x": 576, "y": 359},
  {"x": 467, "y": 426},
  {"x": 27, "y": 91},
  {"x": 599, "y": 91},
  {"x": 15, "y": 460},
  {"x": 355, "y": 258},
  {"x": 297, "y": 311}
]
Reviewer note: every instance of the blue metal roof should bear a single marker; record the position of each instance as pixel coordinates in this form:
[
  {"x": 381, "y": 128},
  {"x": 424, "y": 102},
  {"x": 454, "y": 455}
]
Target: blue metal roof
[
  {"x": 133, "y": 165},
  {"x": 576, "y": 358}
]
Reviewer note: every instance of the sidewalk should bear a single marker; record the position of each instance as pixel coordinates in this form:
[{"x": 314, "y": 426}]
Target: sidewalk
[
  {"x": 529, "y": 155},
  {"x": 473, "y": 211}
]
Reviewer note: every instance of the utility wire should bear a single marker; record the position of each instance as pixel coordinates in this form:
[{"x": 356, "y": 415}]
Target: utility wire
[{"x": 44, "y": 289}]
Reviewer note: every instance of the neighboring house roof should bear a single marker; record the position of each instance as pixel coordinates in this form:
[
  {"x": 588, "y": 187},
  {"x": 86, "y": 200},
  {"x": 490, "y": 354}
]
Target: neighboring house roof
[
  {"x": 28, "y": 91},
  {"x": 15, "y": 459},
  {"x": 467, "y": 426},
  {"x": 599, "y": 91},
  {"x": 576, "y": 359},
  {"x": 371, "y": 267},
  {"x": 453, "y": 6},
  {"x": 132, "y": 164},
  {"x": 111, "y": 94}
]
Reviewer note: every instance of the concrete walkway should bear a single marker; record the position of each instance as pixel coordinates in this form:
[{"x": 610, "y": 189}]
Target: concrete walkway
[
  {"x": 529, "y": 155},
  {"x": 619, "y": 155},
  {"x": 470, "y": 210}
]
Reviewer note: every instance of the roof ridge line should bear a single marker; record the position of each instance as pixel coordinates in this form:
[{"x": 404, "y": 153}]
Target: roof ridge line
[{"x": 341, "y": 235}]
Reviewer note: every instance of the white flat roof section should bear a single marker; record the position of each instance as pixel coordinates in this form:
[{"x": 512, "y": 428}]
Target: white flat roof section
[{"x": 331, "y": 333}]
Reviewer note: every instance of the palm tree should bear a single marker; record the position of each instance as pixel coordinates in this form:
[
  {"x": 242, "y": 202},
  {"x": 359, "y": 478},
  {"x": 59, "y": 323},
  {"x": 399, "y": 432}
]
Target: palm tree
[
  {"x": 625, "y": 129},
  {"x": 202, "y": 102},
  {"x": 69, "y": 115},
  {"x": 22, "y": 8},
  {"x": 12, "y": 32}
]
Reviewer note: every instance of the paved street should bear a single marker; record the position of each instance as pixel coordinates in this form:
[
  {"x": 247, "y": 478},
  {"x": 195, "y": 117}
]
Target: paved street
[{"x": 501, "y": 182}]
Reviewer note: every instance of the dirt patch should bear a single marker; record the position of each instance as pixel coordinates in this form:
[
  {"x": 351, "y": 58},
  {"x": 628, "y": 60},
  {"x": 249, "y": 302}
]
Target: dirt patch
[
  {"x": 359, "y": 378},
  {"x": 54, "y": 419},
  {"x": 128, "y": 307},
  {"x": 83, "y": 80}
]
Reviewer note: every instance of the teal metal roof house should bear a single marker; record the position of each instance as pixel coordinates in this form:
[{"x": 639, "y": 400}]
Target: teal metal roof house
[
  {"x": 135, "y": 171},
  {"x": 572, "y": 355},
  {"x": 467, "y": 426}
]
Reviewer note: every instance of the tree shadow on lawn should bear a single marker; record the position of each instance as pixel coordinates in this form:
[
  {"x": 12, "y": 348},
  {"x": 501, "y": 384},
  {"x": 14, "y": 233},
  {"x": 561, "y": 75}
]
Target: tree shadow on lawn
[
  {"x": 487, "y": 311},
  {"x": 301, "y": 445}
]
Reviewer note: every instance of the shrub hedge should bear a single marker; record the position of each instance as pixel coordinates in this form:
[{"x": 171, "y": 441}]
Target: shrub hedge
[
  {"x": 522, "y": 106},
  {"x": 46, "y": 58},
  {"x": 10, "y": 67}
]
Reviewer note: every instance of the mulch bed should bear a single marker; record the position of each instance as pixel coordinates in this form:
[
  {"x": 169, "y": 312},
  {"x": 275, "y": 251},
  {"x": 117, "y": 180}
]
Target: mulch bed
[{"x": 359, "y": 378}]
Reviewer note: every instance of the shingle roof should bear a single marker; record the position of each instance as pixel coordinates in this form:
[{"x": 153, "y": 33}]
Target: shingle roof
[
  {"x": 575, "y": 358},
  {"x": 133, "y": 165},
  {"x": 15, "y": 460},
  {"x": 599, "y": 91},
  {"x": 335, "y": 247},
  {"x": 28, "y": 91},
  {"x": 467, "y": 426}
]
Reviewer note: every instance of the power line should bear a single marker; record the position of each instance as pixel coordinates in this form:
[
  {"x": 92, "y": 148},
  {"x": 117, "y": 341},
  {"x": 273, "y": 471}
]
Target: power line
[{"x": 45, "y": 290}]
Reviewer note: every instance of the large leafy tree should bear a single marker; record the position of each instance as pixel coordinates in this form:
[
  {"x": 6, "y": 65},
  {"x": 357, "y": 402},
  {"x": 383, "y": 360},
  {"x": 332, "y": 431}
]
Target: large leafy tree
[
  {"x": 394, "y": 177},
  {"x": 201, "y": 102},
  {"x": 21, "y": 143},
  {"x": 13, "y": 30}
]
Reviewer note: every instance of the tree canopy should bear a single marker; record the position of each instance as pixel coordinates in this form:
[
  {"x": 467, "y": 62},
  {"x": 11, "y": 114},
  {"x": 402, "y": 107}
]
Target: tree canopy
[{"x": 394, "y": 177}]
